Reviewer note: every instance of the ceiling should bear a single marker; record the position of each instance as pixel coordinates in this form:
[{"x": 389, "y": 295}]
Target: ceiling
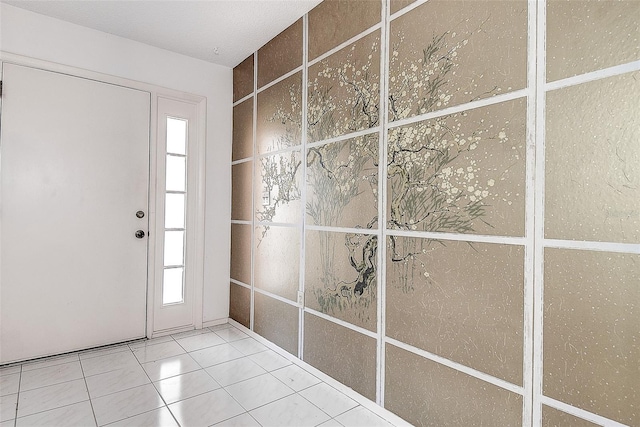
[{"x": 223, "y": 32}]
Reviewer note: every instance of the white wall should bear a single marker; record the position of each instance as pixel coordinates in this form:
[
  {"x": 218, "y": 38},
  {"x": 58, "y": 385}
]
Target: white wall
[{"x": 41, "y": 37}]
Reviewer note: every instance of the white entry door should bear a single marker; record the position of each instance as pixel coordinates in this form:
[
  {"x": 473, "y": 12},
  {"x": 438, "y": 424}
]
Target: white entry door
[{"x": 75, "y": 171}]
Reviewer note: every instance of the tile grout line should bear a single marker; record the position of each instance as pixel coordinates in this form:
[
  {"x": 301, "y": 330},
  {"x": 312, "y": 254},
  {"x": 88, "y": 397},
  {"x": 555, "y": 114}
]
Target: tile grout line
[
  {"x": 154, "y": 387},
  {"x": 254, "y": 170},
  {"x": 381, "y": 274},
  {"x": 539, "y": 214},
  {"x": 15, "y": 419},
  {"x": 303, "y": 191},
  {"x": 529, "y": 231},
  {"x": 86, "y": 386}
]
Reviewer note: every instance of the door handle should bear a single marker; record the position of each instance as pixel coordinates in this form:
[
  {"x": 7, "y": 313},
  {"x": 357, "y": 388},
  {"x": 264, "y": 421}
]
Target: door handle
[{"x": 139, "y": 234}]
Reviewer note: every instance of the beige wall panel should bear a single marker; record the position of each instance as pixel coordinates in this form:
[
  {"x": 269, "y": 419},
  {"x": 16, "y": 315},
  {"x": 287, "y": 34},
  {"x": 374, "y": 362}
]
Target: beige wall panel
[
  {"x": 591, "y": 334},
  {"x": 426, "y": 393},
  {"x": 588, "y": 35},
  {"x": 552, "y": 417},
  {"x": 242, "y": 130},
  {"x": 243, "y": 79},
  {"x": 277, "y": 322},
  {"x": 445, "y": 53},
  {"x": 277, "y": 188},
  {"x": 341, "y": 353},
  {"x": 344, "y": 90},
  {"x": 241, "y": 253},
  {"x": 277, "y": 260},
  {"x": 279, "y": 116},
  {"x": 281, "y": 54},
  {"x": 463, "y": 302},
  {"x": 333, "y": 285},
  {"x": 461, "y": 173},
  {"x": 333, "y": 22},
  {"x": 241, "y": 195},
  {"x": 240, "y": 304},
  {"x": 592, "y": 161},
  {"x": 342, "y": 183}
]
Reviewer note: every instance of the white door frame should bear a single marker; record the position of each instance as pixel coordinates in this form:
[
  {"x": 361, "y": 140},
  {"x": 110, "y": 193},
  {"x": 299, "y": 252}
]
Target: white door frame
[{"x": 195, "y": 206}]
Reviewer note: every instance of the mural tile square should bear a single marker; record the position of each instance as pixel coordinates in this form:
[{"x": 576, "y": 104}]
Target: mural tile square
[
  {"x": 445, "y": 53},
  {"x": 591, "y": 335},
  {"x": 240, "y": 304},
  {"x": 335, "y": 21},
  {"x": 344, "y": 90},
  {"x": 281, "y": 54},
  {"x": 241, "y": 180},
  {"x": 340, "y": 276},
  {"x": 429, "y": 394},
  {"x": 589, "y": 35},
  {"x": 342, "y": 183},
  {"x": 241, "y": 253},
  {"x": 344, "y": 354},
  {"x": 279, "y": 117},
  {"x": 460, "y": 173},
  {"x": 277, "y": 191},
  {"x": 242, "y": 146},
  {"x": 592, "y": 157},
  {"x": 276, "y": 321},
  {"x": 459, "y": 300},
  {"x": 277, "y": 260},
  {"x": 243, "y": 79}
]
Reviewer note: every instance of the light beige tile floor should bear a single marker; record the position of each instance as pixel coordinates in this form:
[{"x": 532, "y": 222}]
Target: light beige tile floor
[{"x": 217, "y": 376}]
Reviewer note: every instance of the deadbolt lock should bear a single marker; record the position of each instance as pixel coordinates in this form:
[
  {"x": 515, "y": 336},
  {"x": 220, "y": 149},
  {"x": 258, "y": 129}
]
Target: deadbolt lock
[{"x": 140, "y": 214}]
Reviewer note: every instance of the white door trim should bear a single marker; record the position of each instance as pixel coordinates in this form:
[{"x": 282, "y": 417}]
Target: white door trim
[{"x": 198, "y": 200}]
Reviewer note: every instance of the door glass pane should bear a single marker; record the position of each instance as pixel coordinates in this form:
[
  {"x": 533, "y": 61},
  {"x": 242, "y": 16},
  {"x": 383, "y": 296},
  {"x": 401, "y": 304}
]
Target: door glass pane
[
  {"x": 172, "y": 286},
  {"x": 174, "y": 211},
  {"x": 173, "y": 248},
  {"x": 176, "y": 136},
  {"x": 176, "y": 173}
]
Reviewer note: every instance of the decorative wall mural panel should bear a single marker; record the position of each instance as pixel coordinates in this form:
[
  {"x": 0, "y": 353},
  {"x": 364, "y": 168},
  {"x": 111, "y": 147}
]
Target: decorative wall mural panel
[
  {"x": 336, "y": 21},
  {"x": 397, "y": 5},
  {"x": 280, "y": 115},
  {"x": 592, "y": 158},
  {"x": 277, "y": 322},
  {"x": 277, "y": 260},
  {"x": 242, "y": 183},
  {"x": 341, "y": 353},
  {"x": 588, "y": 35},
  {"x": 445, "y": 53},
  {"x": 591, "y": 334},
  {"x": 461, "y": 173},
  {"x": 243, "y": 79},
  {"x": 342, "y": 183},
  {"x": 552, "y": 417},
  {"x": 281, "y": 54},
  {"x": 240, "y": 304},
  {"x": 344, "y": 90},
  {"x": 340, "y": 276},
  {"x": 457, "y": 172},
  {"x": 277, "y": 191},
  {"x": 462, "y": 301},
  {"x": 426, "y": 393},
  {"x": 242, "y": 130},
  {"x": 241, "y": 252}
]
